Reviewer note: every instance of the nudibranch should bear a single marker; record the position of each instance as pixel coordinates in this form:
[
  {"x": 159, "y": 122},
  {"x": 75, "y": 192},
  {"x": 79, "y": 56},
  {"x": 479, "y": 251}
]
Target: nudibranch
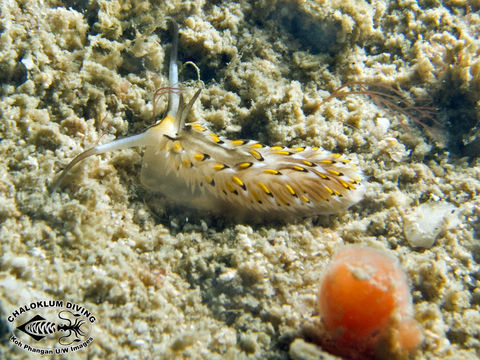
[{"x": 191, "y": 165}]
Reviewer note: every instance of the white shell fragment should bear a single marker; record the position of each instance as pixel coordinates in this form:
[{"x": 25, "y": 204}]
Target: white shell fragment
[
  {"x": 394, "y": 149},
  {"x": 424, "y": 223}
]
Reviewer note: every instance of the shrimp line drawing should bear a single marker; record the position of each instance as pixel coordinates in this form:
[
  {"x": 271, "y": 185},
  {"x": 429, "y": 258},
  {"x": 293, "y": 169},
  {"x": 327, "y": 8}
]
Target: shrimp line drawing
[{"x": 38, "y": 328}]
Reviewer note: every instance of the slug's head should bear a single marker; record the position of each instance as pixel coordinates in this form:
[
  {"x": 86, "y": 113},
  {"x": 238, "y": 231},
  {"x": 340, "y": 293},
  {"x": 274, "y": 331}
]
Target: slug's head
[
  {"x": 174, "y": 121},
  {"x": 169, "y": 126}
]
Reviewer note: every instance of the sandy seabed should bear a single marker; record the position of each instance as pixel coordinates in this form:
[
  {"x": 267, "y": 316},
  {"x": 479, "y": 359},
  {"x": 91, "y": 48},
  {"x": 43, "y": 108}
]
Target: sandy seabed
[{"x": 169, "y": 283}]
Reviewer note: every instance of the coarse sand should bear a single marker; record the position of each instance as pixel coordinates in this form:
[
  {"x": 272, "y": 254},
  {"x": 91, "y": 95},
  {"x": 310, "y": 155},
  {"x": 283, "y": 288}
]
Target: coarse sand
[{"x": 171, "y": 283}]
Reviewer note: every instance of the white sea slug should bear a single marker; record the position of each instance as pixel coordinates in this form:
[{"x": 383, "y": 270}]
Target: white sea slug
[{"x": 192, "y": 166}]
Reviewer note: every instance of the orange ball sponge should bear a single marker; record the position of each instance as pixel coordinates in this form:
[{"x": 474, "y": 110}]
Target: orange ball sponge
[{"x": 366, "y": 307}]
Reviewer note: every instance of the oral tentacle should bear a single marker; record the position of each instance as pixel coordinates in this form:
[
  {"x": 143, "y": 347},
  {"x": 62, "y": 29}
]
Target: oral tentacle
[{"x": 174, "y": 97}]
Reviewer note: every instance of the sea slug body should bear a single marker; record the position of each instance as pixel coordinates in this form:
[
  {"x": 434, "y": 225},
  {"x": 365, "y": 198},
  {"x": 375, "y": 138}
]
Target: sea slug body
[{"x": 193, "y": 166}]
